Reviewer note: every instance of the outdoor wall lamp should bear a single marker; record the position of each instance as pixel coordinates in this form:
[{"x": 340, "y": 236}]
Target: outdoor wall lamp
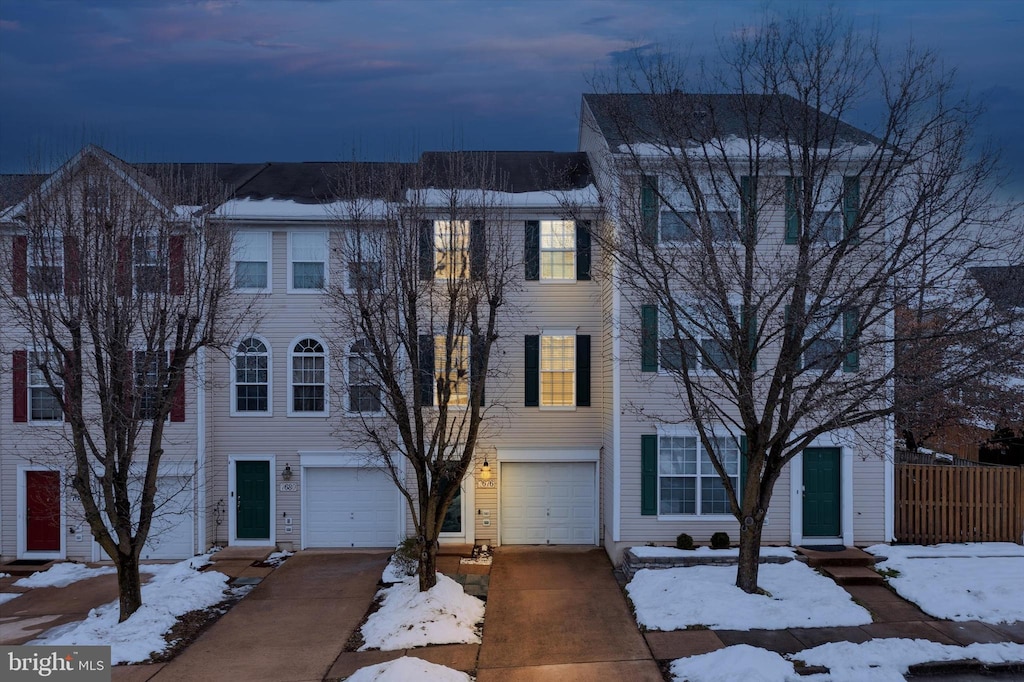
[
  {"x": 287, "y": 473},
  {"x": 485, "y": 471}
]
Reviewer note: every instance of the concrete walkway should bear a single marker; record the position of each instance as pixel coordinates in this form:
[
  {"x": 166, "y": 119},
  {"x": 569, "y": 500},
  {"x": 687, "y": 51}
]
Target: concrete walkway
[
  {"x": 558, "y": 614},
  {"x": 38, "y": 609}
]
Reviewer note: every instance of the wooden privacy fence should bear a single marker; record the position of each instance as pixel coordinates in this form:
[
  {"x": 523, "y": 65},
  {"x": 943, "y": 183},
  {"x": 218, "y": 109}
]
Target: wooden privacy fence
[{"x": 942, "y": 503}]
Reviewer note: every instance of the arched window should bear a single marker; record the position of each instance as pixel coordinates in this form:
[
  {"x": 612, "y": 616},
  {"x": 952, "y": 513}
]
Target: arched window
[
  {"x": 252, "y": 376},
  {"x": 363, "y": 389},
  {"x": 309, "y": 377}
]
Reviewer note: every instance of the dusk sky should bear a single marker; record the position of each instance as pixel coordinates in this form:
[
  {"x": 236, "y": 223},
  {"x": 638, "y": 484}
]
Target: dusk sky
[{"x": 260, "y": 80}]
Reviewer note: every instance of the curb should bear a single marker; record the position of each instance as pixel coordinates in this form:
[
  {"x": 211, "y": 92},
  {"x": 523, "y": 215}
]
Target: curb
[{"x": 968, "y": 665}]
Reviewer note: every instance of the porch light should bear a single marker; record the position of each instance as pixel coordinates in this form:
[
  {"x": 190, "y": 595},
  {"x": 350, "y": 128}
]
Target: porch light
[
  {"x": 485, "y": 471},
  {"x": 287, "y": 473}
]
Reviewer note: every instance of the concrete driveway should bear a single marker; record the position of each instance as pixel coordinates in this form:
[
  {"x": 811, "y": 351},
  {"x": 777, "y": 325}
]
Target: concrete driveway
[
  {"x": 558, "y": 614},
  {"x": 38, "y": 609}
]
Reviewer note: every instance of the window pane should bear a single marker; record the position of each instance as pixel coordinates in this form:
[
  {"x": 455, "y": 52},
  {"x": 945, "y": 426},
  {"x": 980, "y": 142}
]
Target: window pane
[
  {"x": 45, "y": 405},
  {"x": 309, "y": 247},
  {"x": 558, "y": 265},
  {"x": 678, "y": 496},
  {"x": 250, "y": 275},
  {"x": 558, "y": 249},
  {"x": 251, "y": 398},
  {"x": 307, "y": 275},
  {"x": 150, "y": 279},
  {"x": 678, "y": 226},
  {"x": 728, "y": 455},
  {"x": 457, "y": 381},
  {"x": 251, "y": 246},
  {"x": 678, "y": 456},
  {"x": 715, "y": 355},
  {"x": 364, "y": 276},
  {"x": 557, "y": 371},
  {"x": 713, "y": 498},
  {"x": 451, "y": 248},
  {"x": 308, "y": 399},
  {"x": 453, "y": 517}
]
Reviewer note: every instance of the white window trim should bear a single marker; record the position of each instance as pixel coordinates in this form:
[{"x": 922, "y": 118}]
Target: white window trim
[
  {"x": 348, "y": 387},
  {"x": 30, "y": 260},
  {"x": 691, "y": 432},
  {"x": 22, "y": 495},
  {"x": 233, "y": 397},
  {"x": 541, "y": 250},
  {"x": 700, "y": 370},
  {"x": 327, "y": 378},
  {"x": 840, "y": 322},
  {"x": 269, "y": 236},
  {"x": 540, "y": 372},
  {"x": 162, "y": 241},
  {"x": 28, "y": 393},
  {"x": 327, "y": 270},
  {"x": 232, "y": 511}
]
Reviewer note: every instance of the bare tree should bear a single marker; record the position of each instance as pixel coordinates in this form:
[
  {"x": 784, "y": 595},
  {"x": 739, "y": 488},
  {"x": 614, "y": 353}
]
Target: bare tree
[
  {"x": 768, "y": 244},
  {"x": 428, "y": 267},
  {"x": 114, "y": 290}
]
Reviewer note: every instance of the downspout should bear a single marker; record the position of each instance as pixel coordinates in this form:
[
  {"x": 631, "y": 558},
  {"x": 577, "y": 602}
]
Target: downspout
[{"x": 201, "y": 445}]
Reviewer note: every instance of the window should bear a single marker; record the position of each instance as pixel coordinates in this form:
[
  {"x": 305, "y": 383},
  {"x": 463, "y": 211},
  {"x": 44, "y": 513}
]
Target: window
[
  {"x": 308, "y": 260},
  {"x": 150, "y": 261},
  {"x": 46, "y": 266},
  {"x": 452, "y": 522},
  {"x": 44, "y": 402},
  {"x": 681, "y": 221},
  {"x": 364, "y": 276},
  {"x": 557, "y": 371},
  {"x": 687, "y": 480},
  {"x": 363, "y": 389},
  {"x": 826, "y": 221},
  {"x": 831, "y": 340},
  {"x": 558, "y": 250},
  {"x": 702, "y": 343},
  {"x": 252, "y": 261},
  {"x": 457, "y": 380},
  {"x": 252, "y": 376},
  {"x": 148, "y": 365},
  {"x": 451, "y": 248},
  {"x": 309, "y": 377}
]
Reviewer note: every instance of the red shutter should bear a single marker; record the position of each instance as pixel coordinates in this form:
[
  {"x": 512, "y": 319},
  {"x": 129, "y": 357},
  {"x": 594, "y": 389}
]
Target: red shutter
[
  {"x": 124, "y": 266},
  {"x": 20, "y": 367},
  {"x": 178, "y": 402},
  {"x": 71, "y": 265},
  {"x": 176, "y": 246},
  {"x": 19, "y": 268}
]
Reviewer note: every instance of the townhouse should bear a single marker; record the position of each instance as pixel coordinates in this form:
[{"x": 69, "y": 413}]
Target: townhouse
[{"x": 580, "y": 433}]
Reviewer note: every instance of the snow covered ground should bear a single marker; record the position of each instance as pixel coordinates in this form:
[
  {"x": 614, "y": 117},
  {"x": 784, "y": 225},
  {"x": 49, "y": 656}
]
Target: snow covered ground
[
  {"x": 646, "y": 552},
  {"x": 408, "y": 668},
  {"x": 878, "y": 660},
  {"x": 175, "y": 589},
  {"x": 677, "y": 598},
  {"x": 62, "y": 575},
  {"x": 975, "y": 581}
]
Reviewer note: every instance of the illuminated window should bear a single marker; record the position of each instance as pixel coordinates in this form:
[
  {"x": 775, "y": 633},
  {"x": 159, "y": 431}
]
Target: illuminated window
[
  {"x": 451, "y": 248},
  {"x": 456, "y": 380},
  {"x": 687, "y": 480},
  {"x": 558, "y": 249},
  {"x": 557, "y": 371}
]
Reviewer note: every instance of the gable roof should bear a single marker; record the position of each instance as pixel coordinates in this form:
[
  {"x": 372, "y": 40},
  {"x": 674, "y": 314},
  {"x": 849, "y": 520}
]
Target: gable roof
[
  {"x": 1002, "y": 284},
  {"x": 318, "y": 182},
  {"x": 638, "y": 118},
  {"x": 506, "y": 171}
]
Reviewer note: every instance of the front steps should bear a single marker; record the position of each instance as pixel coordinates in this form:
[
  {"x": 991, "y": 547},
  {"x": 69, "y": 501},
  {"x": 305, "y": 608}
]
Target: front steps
[{"x": 851, "y": 566}]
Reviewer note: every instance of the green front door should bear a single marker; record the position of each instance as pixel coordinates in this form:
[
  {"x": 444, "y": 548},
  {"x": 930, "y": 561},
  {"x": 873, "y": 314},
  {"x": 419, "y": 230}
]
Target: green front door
[
  {"x": 821, "y": 492},
  {"x": 252, "y": 500}
]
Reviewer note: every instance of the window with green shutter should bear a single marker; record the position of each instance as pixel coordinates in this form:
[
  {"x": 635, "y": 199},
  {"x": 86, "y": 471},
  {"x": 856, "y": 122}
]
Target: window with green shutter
[
  {"x": 794, "y": 188},
  {"x": 851, "y": 207},
  {"x": 649, "y": 207}
]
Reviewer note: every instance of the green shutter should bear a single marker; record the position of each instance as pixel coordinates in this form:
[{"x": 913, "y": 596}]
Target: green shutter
[
  {"x": 532, "y": 383},
  {"x": 851, "y": 321},
  {"x": 426, "y": 246},
  {"x": 477, "y": 376},
  {"x": 583, "y": 250},
  {"x": 649, "y": 475},
  {"x": 851, "y": 206},
  {"x": 583, "y": 370},
  {"x": 648, "y": 338},
  {"x": 531, "y": 250},
  {"x": 748, "y": 204},
  {"x": 794, "y": 190},
  {"x": 649, "y": 208},
  {"x": 477, "y": 250}
]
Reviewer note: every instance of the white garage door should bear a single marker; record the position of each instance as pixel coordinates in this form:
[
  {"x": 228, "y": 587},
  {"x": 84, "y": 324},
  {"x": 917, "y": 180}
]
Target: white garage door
[
  {"x": 170, "y": 534},
  {"x": 351, "y": 507},
  {"x": 548, "y": 503}
]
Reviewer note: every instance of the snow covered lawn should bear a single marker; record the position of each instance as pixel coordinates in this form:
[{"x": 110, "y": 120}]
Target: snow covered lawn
[
  {"x": 174, "y": 590},
  {"x": 976, "y": 581},
  {"x": 878, "y": 660},
  {"x": 407, "y": 668},
  {"x": 62, "y": 575},
  {"x": 647, "y": 552},
  {"x": 677, "y": 598},
  {"x": 407, "y": 618}
]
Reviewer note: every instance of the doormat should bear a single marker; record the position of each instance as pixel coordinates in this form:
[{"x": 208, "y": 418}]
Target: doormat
[
  {"x": 824, "y": 548},
  {"x": 28, "y": 562}
]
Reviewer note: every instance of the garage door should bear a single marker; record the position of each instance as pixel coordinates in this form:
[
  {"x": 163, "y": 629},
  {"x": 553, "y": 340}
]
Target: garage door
[
  {"x": 351, "y": 507},
  {"x": 170, "y": 534},
  {"x": 548, "y": 503}
]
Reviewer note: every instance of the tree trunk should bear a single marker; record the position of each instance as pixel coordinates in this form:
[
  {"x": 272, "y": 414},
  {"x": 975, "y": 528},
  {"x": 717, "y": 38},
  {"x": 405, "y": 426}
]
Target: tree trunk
[
  {"x": 129, "y": 585},
  {"x": 750, "y": 556},
  {"x": 428, "y": 564}
]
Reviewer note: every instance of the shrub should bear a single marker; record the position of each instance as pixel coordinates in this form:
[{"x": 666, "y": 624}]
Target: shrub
[
  {"x": 720, "y": 541},
  {"x": 684, "y": 541},
  {"x": 406, "y": 556}
]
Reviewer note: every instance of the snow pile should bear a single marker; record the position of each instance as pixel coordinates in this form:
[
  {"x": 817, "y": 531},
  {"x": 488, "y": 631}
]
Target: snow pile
[
  {"x": 62, "y": 575},
  {"x": 174, "y": 590},
  {"x": 882, "y": 659},
  {"x": 407, "y": 618},
  {"x": 4, "y": 575},
  {"x": 739, "y": 662},
  {"x": 8, "y": 596},
  {"x": 277, "y": 558},
  {"x": 647, "y": 552},
  {"x": 877, "y": 660},
  {"x": 948, "y": 550},
  {"x": 408, "y": 668},
  {"x": 676, "y": 598},
  {"x": 398, "y": 569}
]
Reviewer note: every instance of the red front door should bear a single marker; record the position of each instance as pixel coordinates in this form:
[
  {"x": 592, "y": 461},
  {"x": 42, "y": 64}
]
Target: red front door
[{"x": 42, "y": 511}]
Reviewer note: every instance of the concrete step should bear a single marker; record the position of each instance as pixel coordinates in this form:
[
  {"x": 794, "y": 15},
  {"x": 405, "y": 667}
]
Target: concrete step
[
  {"x": 853, "y": 575},
  {"x": 848, "y": 556},
  {"x": 22, "y": 568}
]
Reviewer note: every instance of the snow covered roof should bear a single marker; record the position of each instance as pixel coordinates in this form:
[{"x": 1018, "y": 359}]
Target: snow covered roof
[{"x": 1003, "y": 284}]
